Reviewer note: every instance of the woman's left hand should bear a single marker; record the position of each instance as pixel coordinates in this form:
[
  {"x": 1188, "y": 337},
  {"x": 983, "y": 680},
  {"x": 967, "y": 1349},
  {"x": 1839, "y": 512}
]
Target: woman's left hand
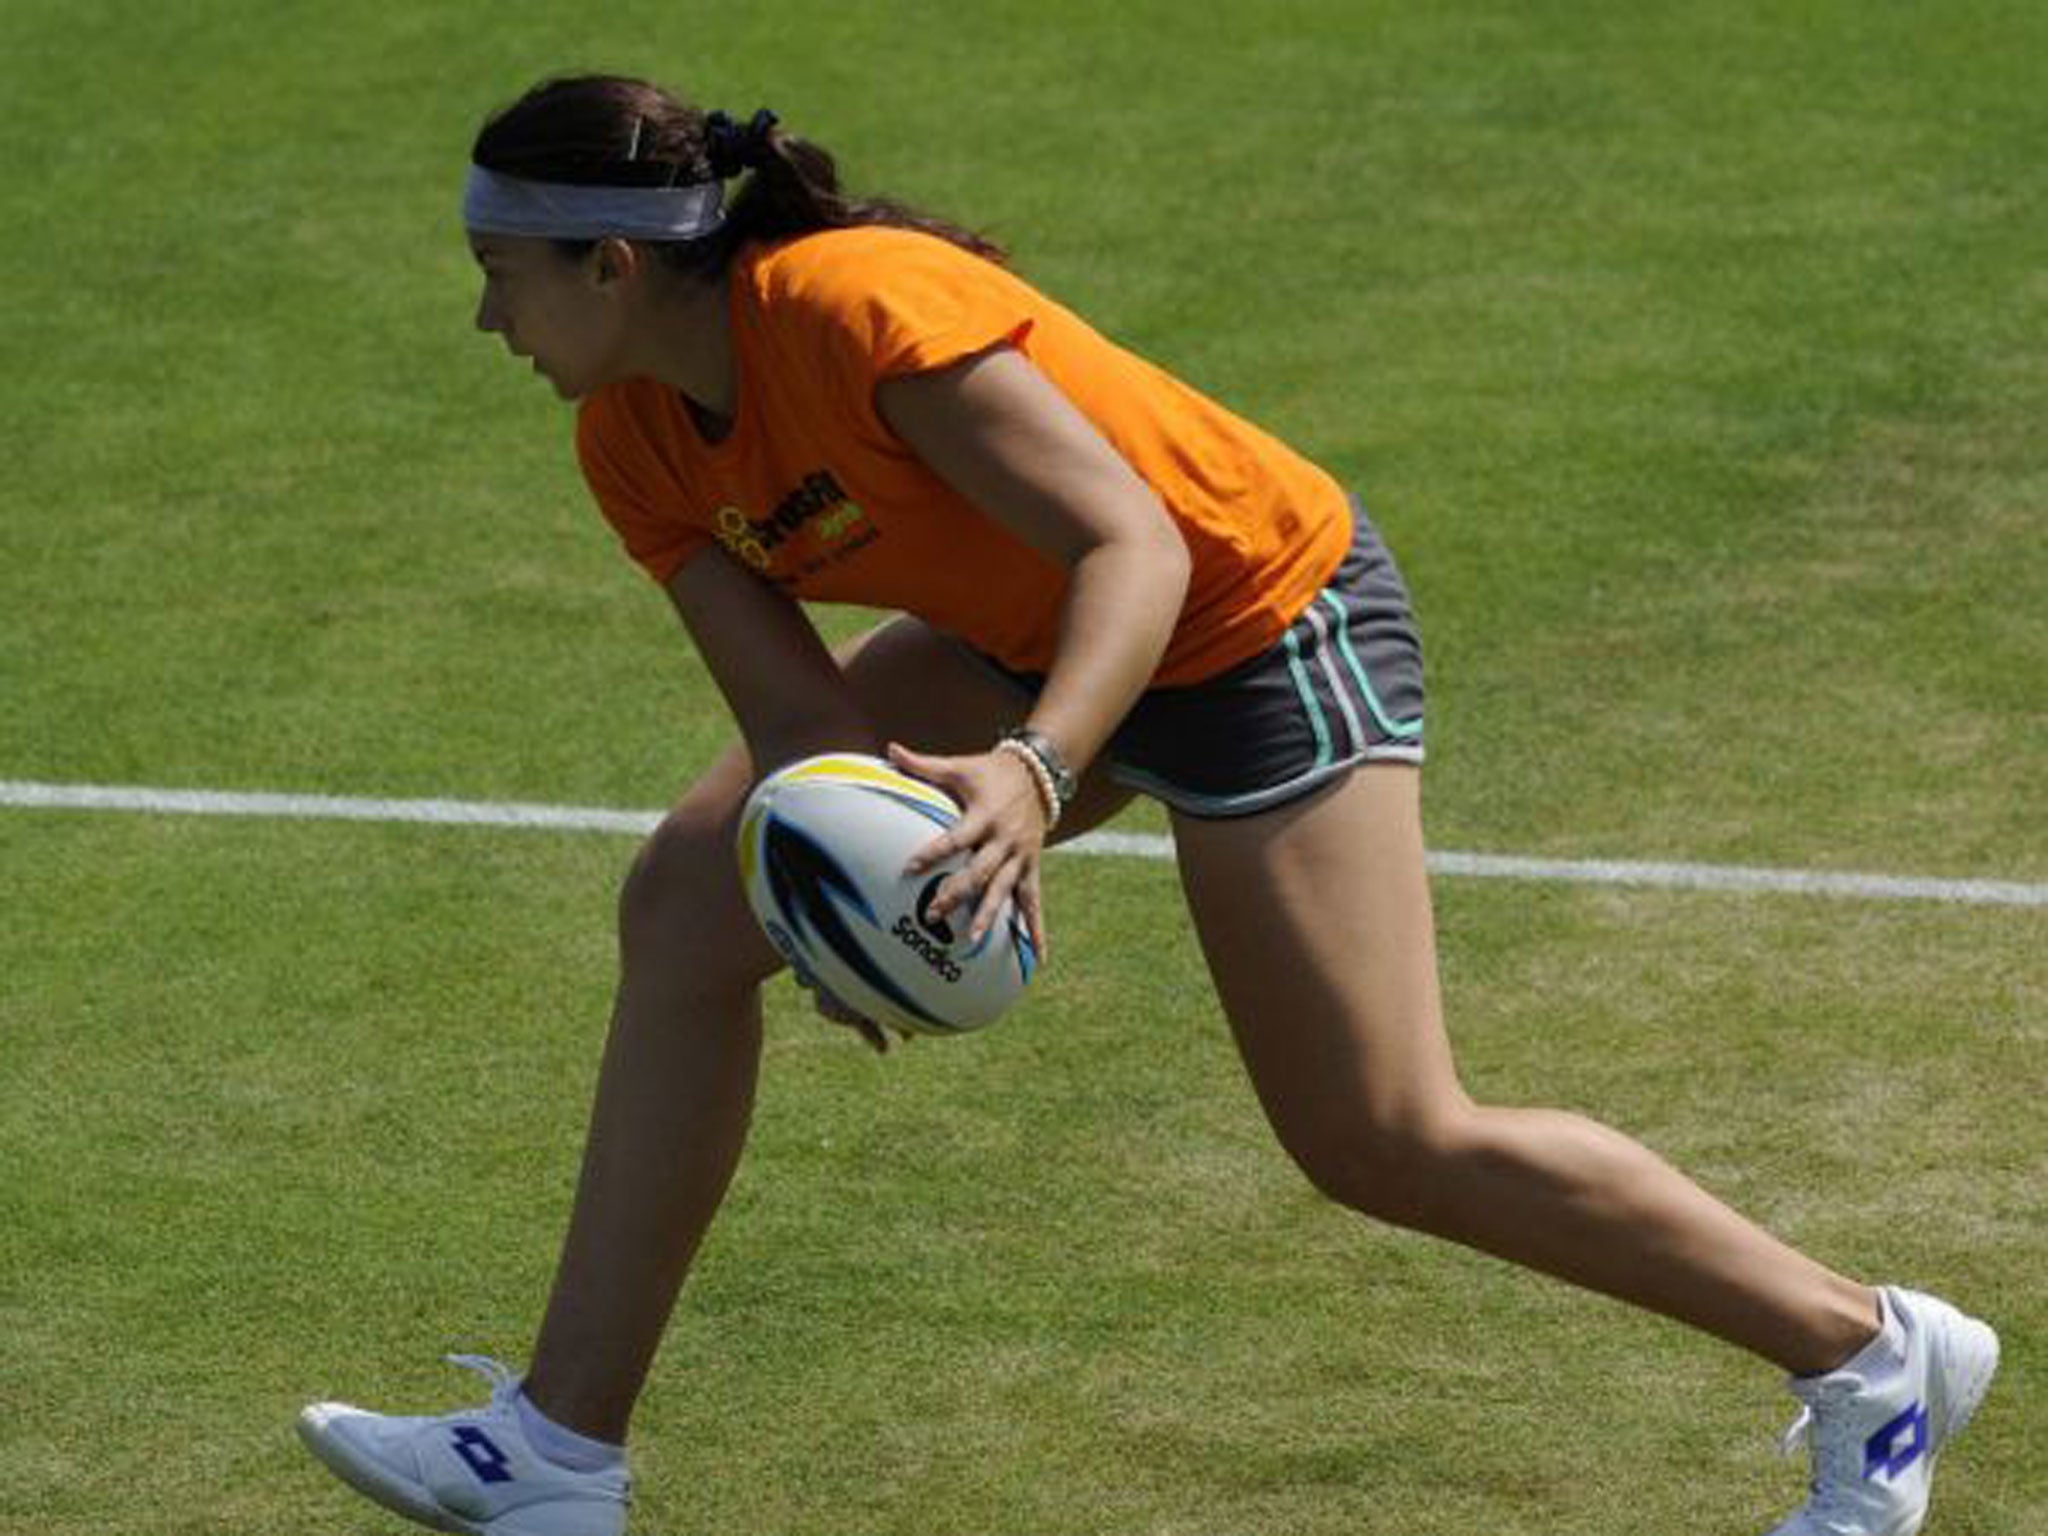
[{"x": 1001, "y": 830}]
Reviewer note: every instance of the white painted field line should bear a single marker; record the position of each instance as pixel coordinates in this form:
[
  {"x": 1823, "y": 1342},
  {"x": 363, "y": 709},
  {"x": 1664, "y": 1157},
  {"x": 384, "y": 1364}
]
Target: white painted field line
[
  {"x": 209, "y": 802},
  {"x": 23, "y": 795},
  {"x": 1732, "y": 877}
]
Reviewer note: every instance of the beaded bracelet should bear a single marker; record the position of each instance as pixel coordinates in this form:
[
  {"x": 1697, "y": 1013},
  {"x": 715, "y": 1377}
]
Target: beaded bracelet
[{"x": 1041, "y": 777}]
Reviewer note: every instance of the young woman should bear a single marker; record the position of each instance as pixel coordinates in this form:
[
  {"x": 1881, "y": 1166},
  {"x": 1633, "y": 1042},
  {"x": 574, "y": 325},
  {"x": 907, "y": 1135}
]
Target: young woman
[{"x": 1107, "y": 585}]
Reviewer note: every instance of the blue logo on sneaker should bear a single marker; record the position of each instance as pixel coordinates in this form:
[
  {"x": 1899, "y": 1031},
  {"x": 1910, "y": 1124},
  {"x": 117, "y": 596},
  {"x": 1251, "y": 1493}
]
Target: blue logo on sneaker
[
  {"x": 1898, "y": 1445},
  {"x": 480, "y": 1453}
]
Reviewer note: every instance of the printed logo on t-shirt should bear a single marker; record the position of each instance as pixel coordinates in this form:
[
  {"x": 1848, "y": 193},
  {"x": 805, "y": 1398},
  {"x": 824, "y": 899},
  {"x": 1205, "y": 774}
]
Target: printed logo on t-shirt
[{"x": 819, "y": 502}]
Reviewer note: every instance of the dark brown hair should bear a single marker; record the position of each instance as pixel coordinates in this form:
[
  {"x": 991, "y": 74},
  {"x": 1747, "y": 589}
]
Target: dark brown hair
[{"x": 613, "y": 131}]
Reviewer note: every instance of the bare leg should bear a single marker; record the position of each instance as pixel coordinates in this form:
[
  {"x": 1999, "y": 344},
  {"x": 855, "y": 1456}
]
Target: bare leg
[
  {"x": 1317, "y": 925},
  {"x": 676, "y": 1088},
  {"x": 674, "y": 1097}
]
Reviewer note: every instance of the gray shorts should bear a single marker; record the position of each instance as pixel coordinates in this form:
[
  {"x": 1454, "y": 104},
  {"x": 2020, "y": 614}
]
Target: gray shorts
[{"x": 1342, "y": 686}]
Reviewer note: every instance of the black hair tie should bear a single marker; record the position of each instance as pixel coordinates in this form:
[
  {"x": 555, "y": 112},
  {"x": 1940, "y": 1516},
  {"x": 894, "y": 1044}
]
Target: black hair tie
[{"x": 732, "y": 149}]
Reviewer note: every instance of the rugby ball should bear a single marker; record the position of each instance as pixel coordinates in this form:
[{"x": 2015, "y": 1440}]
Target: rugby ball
[{"x": 822, "y": 845}]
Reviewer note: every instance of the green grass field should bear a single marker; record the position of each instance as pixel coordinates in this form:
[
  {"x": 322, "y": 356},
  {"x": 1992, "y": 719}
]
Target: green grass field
[{"x": 1693, "y": 360}]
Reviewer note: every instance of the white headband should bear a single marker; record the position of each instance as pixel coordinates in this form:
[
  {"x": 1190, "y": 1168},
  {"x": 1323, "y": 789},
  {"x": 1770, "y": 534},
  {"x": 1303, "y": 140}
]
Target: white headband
[{"x": 505, "y": 205}]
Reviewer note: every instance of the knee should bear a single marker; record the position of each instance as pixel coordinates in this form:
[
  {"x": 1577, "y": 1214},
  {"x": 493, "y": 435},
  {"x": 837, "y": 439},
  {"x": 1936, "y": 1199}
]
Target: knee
[
  {"x": 1404, "y": 1170},
  {"x": 681, "y": 906}
]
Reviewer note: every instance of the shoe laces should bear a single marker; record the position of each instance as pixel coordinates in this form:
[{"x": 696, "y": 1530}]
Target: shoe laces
[
  {"x": 503, "y": 1382},
  {"x": 1826, "y": 1493},
  {"x": 1788, "y": 1443}
]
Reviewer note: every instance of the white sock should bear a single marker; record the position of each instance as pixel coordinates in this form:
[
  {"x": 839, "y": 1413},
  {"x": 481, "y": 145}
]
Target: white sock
[
  {"x": 563, "y": 1446},
  {"x": 1884, "y": 1355}
]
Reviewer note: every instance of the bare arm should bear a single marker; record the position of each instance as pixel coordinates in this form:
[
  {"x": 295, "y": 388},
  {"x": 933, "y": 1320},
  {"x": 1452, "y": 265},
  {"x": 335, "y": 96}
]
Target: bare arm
[
  {"x": 786, "y": 693},
  {"x": 1004, "y": 436},
  {"x": 999, "y": 432}
]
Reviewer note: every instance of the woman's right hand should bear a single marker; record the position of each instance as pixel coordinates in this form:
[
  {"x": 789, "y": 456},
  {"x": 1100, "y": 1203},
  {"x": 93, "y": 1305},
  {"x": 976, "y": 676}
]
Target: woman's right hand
[{"x": 834, "y": 1011}]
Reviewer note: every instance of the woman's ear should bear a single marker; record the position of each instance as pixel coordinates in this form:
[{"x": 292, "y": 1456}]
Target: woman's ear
[{"x": 616, "y": 260}]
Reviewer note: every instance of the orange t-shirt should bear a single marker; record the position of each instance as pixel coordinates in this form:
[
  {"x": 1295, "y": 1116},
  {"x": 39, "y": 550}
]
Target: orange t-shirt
[{"x": 814, "y": 491}]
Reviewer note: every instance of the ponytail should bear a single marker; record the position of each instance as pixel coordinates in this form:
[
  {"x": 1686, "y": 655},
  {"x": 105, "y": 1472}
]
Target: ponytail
[
  {"x": 605, "y": 130},
  {"x": 794, "y": 190}
]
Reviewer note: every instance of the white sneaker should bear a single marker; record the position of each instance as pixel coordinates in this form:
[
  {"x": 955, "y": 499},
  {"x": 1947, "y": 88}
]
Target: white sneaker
[
  {"x": 1877, "y": 1424},
  {"x": 473, "y": 1473}
]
